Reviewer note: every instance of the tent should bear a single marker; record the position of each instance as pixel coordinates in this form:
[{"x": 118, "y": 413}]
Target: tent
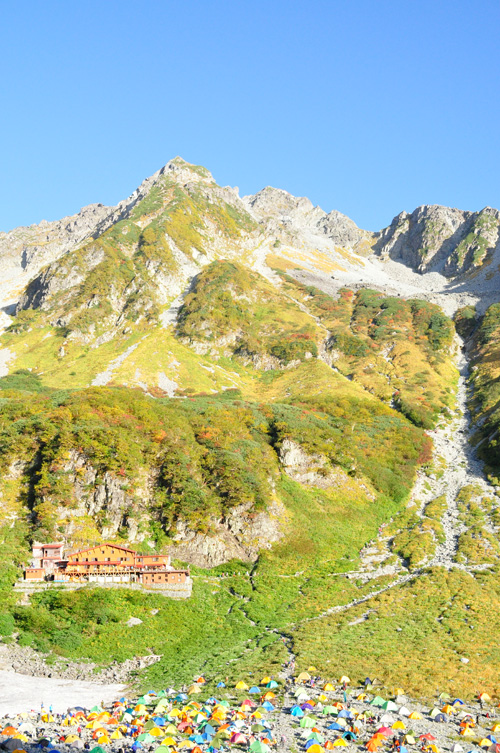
[
  {"x": 307, "y": 722},
  {"x": 259, "y": 747}
]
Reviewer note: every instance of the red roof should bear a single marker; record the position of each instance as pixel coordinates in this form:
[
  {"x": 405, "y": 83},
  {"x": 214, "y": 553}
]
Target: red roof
[{"x": 100, "y": 546}]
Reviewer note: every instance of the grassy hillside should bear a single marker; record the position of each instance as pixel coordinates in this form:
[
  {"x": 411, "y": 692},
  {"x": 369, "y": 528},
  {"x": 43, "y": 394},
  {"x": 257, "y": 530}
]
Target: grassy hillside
[
  {"x": 397, "y": 349},
  {"x": 486, "y": 385}
]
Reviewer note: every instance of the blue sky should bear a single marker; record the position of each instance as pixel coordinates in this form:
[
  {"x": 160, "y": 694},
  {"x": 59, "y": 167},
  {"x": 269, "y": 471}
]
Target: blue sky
[{"x": 369, "y": 107}]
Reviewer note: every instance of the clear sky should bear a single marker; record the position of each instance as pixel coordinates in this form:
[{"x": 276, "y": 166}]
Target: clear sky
[{"x": 366, "y": 106}]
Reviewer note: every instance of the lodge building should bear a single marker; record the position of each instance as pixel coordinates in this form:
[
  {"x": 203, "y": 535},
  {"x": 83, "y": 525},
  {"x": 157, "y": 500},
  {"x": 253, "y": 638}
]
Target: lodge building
[{"x": 103, "y": 563}]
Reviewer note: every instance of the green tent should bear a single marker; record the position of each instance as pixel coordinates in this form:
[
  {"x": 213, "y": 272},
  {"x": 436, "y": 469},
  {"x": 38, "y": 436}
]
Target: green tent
[
  {"x": 307, "y": 721},
  {"x": 259, "y": 747},
  {"x": 389, "y": 706},
  {"x": 377, "y": 701},
  {"x": 316, "y": 736},
  {"x": 145, "y": 738},
  {"x": 330, "y": 710}
]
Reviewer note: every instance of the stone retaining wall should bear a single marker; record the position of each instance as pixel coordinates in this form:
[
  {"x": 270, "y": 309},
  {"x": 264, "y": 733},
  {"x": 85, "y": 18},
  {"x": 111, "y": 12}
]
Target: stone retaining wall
[{"x": 173, "y": 591}]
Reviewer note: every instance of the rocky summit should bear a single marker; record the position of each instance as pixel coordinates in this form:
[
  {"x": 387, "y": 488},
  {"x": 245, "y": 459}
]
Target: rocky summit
[{"x": 304, "y": 412}]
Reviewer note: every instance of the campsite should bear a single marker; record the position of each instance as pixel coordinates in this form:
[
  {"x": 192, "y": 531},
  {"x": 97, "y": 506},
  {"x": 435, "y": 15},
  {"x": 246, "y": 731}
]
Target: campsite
[{"x": 303, "y": 713}]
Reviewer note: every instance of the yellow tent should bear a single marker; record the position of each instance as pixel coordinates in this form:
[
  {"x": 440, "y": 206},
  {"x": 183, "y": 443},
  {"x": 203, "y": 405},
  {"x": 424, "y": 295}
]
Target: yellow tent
[
  {"x": 194, "y": 689},
  {"x": 186, "y": 744},
  {"x": 269, "y": 695},
  {"x": 415, "y": 715},
  {"x": 71, "y": 738},
  {"x": 344, "y": 678},
  {"x": 496, "y": 728},
  {"x": 47, "y": 718},
  {"x": 484, "y": 697},
  {"x": 322, "y": 698},
  {"x": 241, "y": 685},
  {"x": 155, "y": 731},
  {"x": 116, "y": 735},
  {"x": 467, "y": 732},
  {"x": 398, "y": 725},
  {"x": 484, "y": 743},
  {"x": 328, "y": 686},
  {"x": 265, "y": 680},
  {"x": 169, "y": 742},
  {"x": 361, "y": 697},
  {"x": 314, "y": 748},
  {"x": 170, "y": 730},
  {"x": 104, "y": 740},
  {"x": 339, "y": 743},
  {"x": 447, "y": 709},
  {"x": 174, "y": 713},
  {"x": 140, "y": 709},
  {"x": 303, "y": 677},
  {"x": 312, "y": 669}
]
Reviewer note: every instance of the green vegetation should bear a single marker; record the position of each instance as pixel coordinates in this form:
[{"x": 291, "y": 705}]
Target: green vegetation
[
  {"x": 237, "y": 309},
  {"x": 397, "y": 349},
  {"x": 472, "y": 251},
  {"x": 486, "y": 383},
  {"x": 465, "y": 321}
]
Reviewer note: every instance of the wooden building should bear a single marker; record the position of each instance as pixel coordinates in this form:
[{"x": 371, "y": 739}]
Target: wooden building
[
  {"x": 104, "y": 563},
  {"x": 163, "y": 577}
]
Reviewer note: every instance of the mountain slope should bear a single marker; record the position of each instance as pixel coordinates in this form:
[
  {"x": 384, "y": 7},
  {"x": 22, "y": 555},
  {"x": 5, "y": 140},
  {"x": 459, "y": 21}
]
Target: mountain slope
[{"x": 274, "y": 396}]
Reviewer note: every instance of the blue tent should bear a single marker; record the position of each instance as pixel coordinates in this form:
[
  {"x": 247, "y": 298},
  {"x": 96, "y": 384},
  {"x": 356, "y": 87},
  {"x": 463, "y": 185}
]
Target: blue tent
[
  {"x": 311, "y": 741},
  {"x": 254, "y": 689},
  {"x": 348, "y": 735},
  {"x": 198, "y": 739},
  {"x": 345, "y": 714},
  {"x": 272, "y": 684},
  {"x": 221, "y": 684},
  {"x": 440, "y": 718},
  {"x": 268, "y": 706},
  {"x": 336, "y": 726},
  {"x": 296, "y": 711},
  {"x": 159, "y": 720},
  {"x": 181, "y": 697}
]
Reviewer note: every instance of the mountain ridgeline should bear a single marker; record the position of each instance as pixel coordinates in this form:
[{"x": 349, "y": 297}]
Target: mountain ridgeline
[{"x": 260, "y": 389}]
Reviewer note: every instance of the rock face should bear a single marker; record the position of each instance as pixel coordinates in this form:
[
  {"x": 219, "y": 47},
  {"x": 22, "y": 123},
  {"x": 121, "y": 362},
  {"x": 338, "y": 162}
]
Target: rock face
[
  {"x": 289, "y": 218},
  {"x": 436, "y": 238},
  {"x": 103, "y": 503},
  {"x": 239, "y": 535},
  {"x": 314, "y": 470}
]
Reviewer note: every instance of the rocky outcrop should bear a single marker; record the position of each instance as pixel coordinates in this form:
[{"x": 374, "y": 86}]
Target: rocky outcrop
[
  {"x": 291, "y": 218},
  {"x": 238, "y": 535},
  {"x": 315, "y": 470},
  {"x": 437, "y": 238},
  {"x": 105, "y": 503}
]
